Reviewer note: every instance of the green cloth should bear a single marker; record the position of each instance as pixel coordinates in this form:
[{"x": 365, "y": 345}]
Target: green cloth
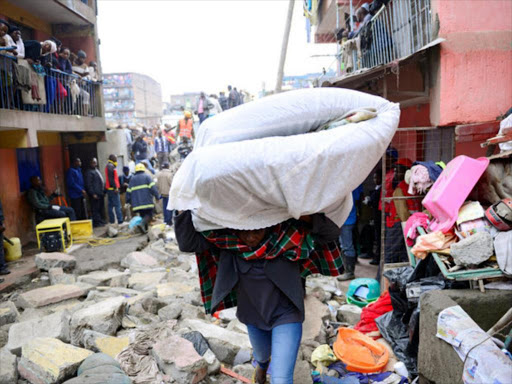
[{"x": 37, "y": 199}]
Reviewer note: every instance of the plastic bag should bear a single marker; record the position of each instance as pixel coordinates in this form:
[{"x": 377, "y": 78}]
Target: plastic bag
[
  {"x": 398, "y": 279},
  {"x": 417, "y": 288},
  {"x": 263, "y": 163},
  {"x": 322, "y": 356}
]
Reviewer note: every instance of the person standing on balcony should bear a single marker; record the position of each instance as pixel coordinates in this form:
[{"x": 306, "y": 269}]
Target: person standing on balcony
[
  {"x": 6, "y": 40},
  {"x": 39, "y": 52},
  {"x": 76, "y": 189},
  {"x": 3, "y": 264},
  {"x": 95, "y": 187},
  {"x": 64, "y": 63},
  {"x": 16, "y": 37},
  {"x": 113, "y": 186},
  {"x": 162, "y": 149}
]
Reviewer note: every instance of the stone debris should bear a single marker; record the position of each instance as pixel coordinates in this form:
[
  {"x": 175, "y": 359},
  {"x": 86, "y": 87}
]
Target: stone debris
[
  {"x": 8, "y": 367},
  {"x": 473, "y": 250},
  {"x": 172, "y": 289},
  {"x": 108, "y": 345},
  {"x": 170, "y": 312},
  {"x": 57, "y": 276},
  {"x": 54, "y": 326},
  {"x": 8, "y": 313},
  {"x": 48, "y": 361},
  {"x": 177, "y": 358},
  {"x": 101, "y": 277},
  {"x": 315, "y": 315},
  {"x": 349, "y": 313},
  {"x": 46, "y": 261},
  {"x": 104, "y": 317},
  {"x": 100, "y": 369},
  {"x": 139, "y": 261},
  {"x": 53, "y": 294},
  {"x": 145, "y": 280}
]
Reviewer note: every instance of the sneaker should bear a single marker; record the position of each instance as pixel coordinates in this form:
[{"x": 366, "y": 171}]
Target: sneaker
[{"x": 346, "y": 276}]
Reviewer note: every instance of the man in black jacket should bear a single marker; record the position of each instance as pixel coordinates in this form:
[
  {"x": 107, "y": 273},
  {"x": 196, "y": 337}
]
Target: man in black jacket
[
  {"x": 3, "y": 265},
  {"x": 95, "y": 187}
]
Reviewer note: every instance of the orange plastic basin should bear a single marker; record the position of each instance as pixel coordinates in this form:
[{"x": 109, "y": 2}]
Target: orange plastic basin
[{"x": 359, "y": 352}]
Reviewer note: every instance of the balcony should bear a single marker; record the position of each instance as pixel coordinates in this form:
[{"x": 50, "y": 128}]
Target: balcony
[
  {"x": 47, "y": 99},
  {"x": 396, "y": 31},
  {"x": 74, "y": 12}
]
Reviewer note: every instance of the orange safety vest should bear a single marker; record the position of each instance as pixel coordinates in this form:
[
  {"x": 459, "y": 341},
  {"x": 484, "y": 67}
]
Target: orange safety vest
[{"x": 186, "y": 128}]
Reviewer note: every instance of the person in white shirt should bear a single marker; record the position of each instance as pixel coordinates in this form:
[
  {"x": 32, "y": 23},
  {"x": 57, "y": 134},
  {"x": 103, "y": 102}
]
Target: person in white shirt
[{"x": 18, "y": 41}]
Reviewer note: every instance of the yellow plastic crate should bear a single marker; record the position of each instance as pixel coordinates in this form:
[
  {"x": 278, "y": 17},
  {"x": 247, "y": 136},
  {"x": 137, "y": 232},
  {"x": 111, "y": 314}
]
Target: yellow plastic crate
[{"x": 81, "y": 229}]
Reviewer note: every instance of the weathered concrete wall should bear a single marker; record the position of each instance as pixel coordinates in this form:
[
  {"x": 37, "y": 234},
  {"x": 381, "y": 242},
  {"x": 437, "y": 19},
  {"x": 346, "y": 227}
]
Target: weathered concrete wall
[
  {"x": 437, "y": 361},
  {"x": 474, "y": 78}
]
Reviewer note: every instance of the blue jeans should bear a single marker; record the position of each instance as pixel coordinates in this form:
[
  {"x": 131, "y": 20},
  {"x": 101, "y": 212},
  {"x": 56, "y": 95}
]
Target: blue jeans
[
  {"x": 167, "y": 213},
  {"x": 282, "y": 344},
  {"x": 114, "y": 203},
  {"x": 202, "y": 117},
  {"x": 147, "y": 163},
  {"x": 346, "y": 240}
]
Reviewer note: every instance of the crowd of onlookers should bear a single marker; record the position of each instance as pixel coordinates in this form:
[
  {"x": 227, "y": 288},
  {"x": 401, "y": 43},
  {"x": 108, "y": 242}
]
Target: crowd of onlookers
[{"x": 53, "y": 61}]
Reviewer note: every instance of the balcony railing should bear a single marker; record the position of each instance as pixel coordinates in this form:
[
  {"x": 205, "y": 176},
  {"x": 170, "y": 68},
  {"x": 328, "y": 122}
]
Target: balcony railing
[
  {"x": 396, "y": 31},
  {"x": 46, "y": 90}
]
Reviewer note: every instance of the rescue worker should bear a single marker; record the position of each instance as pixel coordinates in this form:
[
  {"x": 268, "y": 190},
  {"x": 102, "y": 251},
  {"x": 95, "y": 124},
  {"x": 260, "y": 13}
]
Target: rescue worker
[
  {"x": 185, "y": 129},
  {"x": 113, "y": 185},
  {"x": 140, "y": 193}
]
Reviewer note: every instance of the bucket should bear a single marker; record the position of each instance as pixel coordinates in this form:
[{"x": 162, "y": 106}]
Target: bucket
[{"x": 12, "y": 252}]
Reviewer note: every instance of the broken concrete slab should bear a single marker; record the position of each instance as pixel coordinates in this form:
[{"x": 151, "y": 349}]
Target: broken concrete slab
[
  {"x": 237, "y": 326},
  {"x": 177, "y": 358},
  {"x": 8, "y": 313},
  {"x": 48, "y": 361},
  {"x": 170, "y": 312},
  {"x": 228, "y": 315},
  {"x": 139, "y": 261},
  {"x": 473, "y": 250},
  {"x": 189, "y": 311},
  {"x": 8, "y": 367},
  {"x": 54, "y": 326},
  {"x": 225, "y": 344},
  {"x": 349, "y": 313},
  {"x": 172, "y": 289},
  {"x": 57, "y": 276},
  {"x": 46, "y": 261},
  {"x": 100, "y": 277},
  {"x": 104, "y": 317},
  {"x": 315, "y": 315},
  {"x": 146, "y": 280},
  {"x": 53, "y": 294},
  {"x": 109, "y": 345}
]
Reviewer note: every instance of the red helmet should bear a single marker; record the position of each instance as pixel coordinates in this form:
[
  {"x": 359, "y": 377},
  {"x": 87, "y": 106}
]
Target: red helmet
[{"x": 499, "y": 216}]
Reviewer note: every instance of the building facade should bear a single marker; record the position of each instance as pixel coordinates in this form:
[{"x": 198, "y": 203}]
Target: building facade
[
  {"x": 132, "y": 98},
  {"x": 40, "y": 133}
]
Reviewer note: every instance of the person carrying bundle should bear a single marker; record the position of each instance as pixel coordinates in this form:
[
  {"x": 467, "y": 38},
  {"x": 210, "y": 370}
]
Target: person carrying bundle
[{"x": 263, "y": 271}]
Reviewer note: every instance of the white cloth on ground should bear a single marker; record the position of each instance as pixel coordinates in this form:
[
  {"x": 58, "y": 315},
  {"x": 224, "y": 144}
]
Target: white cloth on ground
[
  {"x": 256, "y": 165},
  {"x": 507, "y": 123}
]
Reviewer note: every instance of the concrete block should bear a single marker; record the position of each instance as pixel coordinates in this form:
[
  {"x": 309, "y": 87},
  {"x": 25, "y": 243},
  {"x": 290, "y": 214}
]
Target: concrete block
[
  {"x": 146, "y": 280},
  {"x": 104, "y": 317},
  {"x": 171, "y": 311},
  {"x": 473, "y": 250},
  {"x": 302, "y": 373},
  {"x": 139, "y": 261},
  {"x": 8, "y": 313},
  {"x": 224, "y": 343},
  {"x": 57, "y": 276},
  {"x": 8, "y": 367},
  {"x": 46, "y": 261},
  {"x": 172, "y": 289},
  {"x": 177, "y": 358},
  {"x": 55, "y": 326},
  {"x": 315, "y": 314},
  {"x": 108, "y": 345},
  {"x": 53, "y": 294},
  {"x": 349, "y": 313},
  {"x": 49, "y": 361},
  {"x": 100, "y": 277}
]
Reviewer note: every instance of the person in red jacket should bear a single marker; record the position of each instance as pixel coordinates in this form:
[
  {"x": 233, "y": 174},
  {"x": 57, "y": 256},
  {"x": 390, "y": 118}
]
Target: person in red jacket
[{"x": 112, "y": 185}]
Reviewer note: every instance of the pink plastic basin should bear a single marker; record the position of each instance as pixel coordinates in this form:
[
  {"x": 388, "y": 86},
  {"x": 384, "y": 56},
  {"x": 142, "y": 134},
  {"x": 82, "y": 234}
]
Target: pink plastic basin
[{"x": 451, "y": 190}]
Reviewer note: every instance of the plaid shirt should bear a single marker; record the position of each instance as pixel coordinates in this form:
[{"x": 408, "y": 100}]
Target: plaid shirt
[{"x": 287, "y": 239}]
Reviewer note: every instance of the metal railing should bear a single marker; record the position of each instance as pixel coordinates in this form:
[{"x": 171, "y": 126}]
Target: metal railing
[
  {"x": 396, "y": 31},
  {"x": 46, "y": 90}
]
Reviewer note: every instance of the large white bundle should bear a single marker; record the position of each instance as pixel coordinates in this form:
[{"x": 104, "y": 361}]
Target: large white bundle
[{"x": 255, "y": 166}]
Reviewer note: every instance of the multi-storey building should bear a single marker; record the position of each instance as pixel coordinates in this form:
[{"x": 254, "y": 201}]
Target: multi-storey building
[
  {"x": 132, "y": 98},
  {"x": 40, "y": 134}
]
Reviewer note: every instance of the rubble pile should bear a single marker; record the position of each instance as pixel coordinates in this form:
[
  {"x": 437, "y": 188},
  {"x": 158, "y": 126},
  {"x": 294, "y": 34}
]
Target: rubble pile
[{"x": 141, "y": 321}]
